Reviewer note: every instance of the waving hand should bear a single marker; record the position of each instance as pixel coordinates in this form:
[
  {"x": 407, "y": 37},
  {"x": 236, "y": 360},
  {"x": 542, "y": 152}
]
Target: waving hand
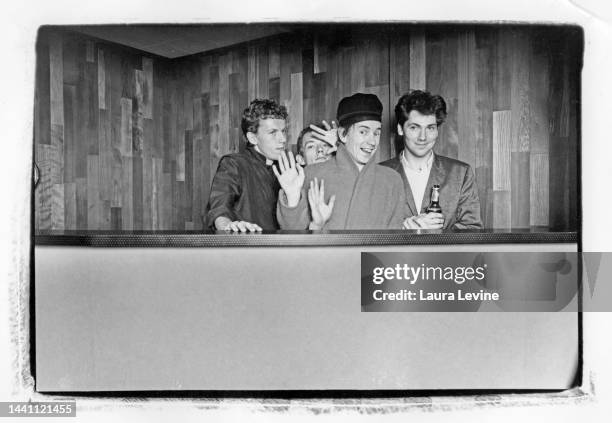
[{"x": 290, "y": 175}]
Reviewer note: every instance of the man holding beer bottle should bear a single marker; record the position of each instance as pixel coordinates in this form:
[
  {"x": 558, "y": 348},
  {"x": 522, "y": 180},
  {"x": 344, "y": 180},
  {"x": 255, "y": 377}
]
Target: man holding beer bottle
[{"x": 429, "y": 177}]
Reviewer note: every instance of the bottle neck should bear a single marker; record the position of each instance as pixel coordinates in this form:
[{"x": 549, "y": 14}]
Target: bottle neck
[{"x": 435, "y": 195}]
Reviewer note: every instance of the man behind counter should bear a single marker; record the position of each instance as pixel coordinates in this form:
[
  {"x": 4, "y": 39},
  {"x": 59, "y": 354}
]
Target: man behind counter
[
  {"x": 244, "y": 190},
  {"x": 419, "y": 114},
  {"x": 366, "y": 195},
  {"x": 317, "y": 145}
]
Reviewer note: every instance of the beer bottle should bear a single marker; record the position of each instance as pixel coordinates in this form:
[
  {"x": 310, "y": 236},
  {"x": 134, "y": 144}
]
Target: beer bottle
[{"x": 434, "y": 205}]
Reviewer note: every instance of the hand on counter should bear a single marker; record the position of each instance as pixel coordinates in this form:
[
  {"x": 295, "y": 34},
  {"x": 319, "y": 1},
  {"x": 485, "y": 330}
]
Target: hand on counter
[{"x": 224, "y": 224}]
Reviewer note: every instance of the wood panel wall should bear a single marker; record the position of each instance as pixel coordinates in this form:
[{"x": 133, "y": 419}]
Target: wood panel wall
[{"x": 126, "y": 141}]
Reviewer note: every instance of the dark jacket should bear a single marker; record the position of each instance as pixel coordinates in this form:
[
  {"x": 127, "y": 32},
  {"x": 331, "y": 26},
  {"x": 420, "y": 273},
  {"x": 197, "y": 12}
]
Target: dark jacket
[
  {"x": 244, "y": 188},
  {"x": 458, "y": 192}
]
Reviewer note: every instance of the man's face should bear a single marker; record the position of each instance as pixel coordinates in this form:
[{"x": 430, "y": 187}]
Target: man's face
[
  {"x": 270, "y": 138},
  {"x": 314, "y": 150},
  {"x": 420, "y": 133},
  {"x": 362, "y": 140}
]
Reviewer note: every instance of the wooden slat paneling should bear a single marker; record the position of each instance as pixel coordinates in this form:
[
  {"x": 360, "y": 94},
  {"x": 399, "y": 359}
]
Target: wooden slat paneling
[
  {"x": 57, "y": 207},
  {"x": 93, "y": 192},
  {"x": 188, "y": 175},
  {"x": 502, "y": 199},
  {"x": 147, "y": 203},
  {"x": 147, "y": 174},
  {"x": 308, "y": 94},
  {"x": 105, "y": 169},
  {"x": 165, "y": 203},
  {"x": 263, "y": 73},
  {"x": 148, "y": 88},
  {"x": 502, "y": 70},
  {"x": 70, "y": 132},
  {"x": 215, "y": 149},
  {"x": 127, "y": 175},
  {"x": 502, "y": 207},
  {"x": 538, "y": 91},
  {"x": 81, "y": 203},
  {"x": 70, "y": 205},
  {"x": 572, "y": 76},
  {"x": 417, "y": 60},
  {"x": 485, "y": 45},
  {"x": 198, "y": 174},
  {"x": 116, "y": 113},
  {"x": 44, "y": 158},
  {"x": 116, "y": 219},
  {"x": 235, "y": 113},
  {"x": 319, "y": 54},
  {"x": 73, "y": 52},
  {"x": 90, "y": 106},
  {"x": 105, "y": 156},
  {"x": 90, "y": 51},
  {"x": 466, "y": 84},
  {"x": 138, "y": 113},
  {"x": 384, "y": 148},
  {"x": 538, "y": 194},
  {"x": 223, "y": 146},
  {"x": 519, "y": 89},
  {"x": 158, "y": 128},
  {"x": 137, "y": 193},
  {"x": 125, "y": 147},
  {"x": 57, "y": 141},
  {"x": 520, "y": 169},
  {"x": 448, "y": 140},
  {"x": 101, "y": 80},
  {"x": 253, "y": 71},
  {"x": 42, "y": 101},
  {"x": 274, "y": 58},
  {"x": 156, "y": 193},
  {"x": 56, "y": 80},
  {"x": 377, "y": 64},
  {"x": 214, "y": 85},
  {"x": 296, "y": 113},
  {"x": 501, "y": 150}
]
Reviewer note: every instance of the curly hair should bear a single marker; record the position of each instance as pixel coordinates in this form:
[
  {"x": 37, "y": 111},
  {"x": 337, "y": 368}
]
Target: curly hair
[
  {"x": 424, "y": 103},
  {"x": 261, "y": 108}
]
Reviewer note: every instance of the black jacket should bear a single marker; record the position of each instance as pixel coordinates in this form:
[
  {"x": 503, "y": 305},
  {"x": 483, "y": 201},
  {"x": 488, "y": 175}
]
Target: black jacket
[{"x": 244, "y": 188}]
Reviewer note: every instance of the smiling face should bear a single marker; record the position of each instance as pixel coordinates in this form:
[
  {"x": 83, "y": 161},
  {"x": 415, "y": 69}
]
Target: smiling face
[
  {"x": 420, "y": 133},
  {"x": 314, "y": 150},
  {"x": 270, "y": 138},
  {"x": 362, "y": 140}
]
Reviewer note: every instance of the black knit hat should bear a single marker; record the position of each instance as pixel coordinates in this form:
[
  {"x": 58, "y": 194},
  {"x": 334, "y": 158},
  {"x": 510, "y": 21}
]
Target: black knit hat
[{"x": 359, "y": 107}]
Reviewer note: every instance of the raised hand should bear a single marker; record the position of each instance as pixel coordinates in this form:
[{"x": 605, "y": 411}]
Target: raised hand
[
  {"x": 290, "y": 175},
  {"x": 320, "y": 212},
  {"x": 328, "y": 135}
]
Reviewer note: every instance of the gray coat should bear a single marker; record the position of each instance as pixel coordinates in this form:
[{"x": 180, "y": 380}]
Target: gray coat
[{"x": 372, "y": 198}]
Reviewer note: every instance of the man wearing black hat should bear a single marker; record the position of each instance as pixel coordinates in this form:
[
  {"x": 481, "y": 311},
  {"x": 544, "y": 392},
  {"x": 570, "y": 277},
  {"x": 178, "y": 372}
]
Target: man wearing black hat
[{"x": 354, "y": 192}]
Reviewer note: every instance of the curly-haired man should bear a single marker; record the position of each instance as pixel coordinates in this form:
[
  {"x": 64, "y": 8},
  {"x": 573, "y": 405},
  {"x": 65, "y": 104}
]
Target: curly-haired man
[{"x": 244, "y": 190}]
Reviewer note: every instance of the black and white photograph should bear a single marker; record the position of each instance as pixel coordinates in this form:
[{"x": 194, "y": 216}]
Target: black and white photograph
[{"x": 239, "y": 218}]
